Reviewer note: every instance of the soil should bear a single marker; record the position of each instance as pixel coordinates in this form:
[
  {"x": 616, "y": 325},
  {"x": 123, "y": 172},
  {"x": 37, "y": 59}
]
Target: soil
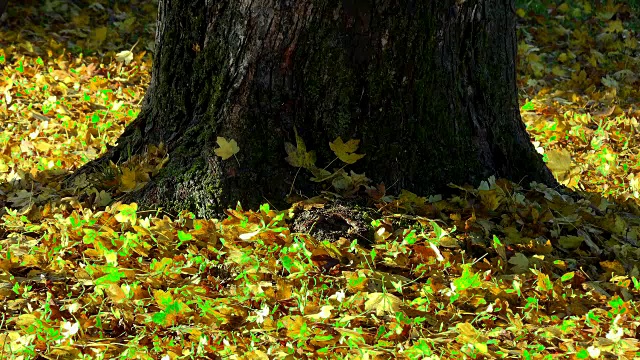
[{"x": 335, "y": 220}]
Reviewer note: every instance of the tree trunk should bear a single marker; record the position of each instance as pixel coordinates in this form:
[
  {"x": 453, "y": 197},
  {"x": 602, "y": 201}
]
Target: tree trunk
[
  {"x": 427, "y": 86},
  {"x": 3, "y": 6}
]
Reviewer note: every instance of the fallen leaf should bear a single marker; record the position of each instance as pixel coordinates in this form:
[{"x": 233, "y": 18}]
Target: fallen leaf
[
  {"x": 346, "y": 151},
  {"x": 226, "y": 148},
  {"x": 382, "y": 303}
]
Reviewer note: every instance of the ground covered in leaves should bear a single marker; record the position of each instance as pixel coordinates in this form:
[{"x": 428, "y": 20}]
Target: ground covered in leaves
[{"x": 490, "y": 272}]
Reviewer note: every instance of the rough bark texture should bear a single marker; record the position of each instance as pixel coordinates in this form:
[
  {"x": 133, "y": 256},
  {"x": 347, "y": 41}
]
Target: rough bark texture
[
  {"x": 427, "y": 86},
  {"x": 3, "y": 6}
]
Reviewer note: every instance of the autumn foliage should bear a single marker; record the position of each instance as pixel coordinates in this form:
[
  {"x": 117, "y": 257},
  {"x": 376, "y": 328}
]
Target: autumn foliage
[{"x": 502, "y": 270}]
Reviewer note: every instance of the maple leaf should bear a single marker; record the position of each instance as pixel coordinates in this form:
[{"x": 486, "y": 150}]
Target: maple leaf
[
  {"x": 500, "y": 248},
  {"x": 125, "y": 56},
  {"x": 103, "y": 198},
  {"x": 359, "y": 179},
  {"x": 570, "y": 242},
  {"x": 127, "y": 180},
  {"x": 382, "y": 303},
  {"x": 469, "y": 335},
  {"x": 116, "y": 294},
  {"x": 342, "y": 181},
  {"x": 376, "y": 192},
  {"x": 127, "y": 213},
  {"x": 21, "y": 198},
  {"x": 226, "y": 148},
  {"x": 298, "y": 155},
  {"x": 346, "y": 151},
  {"x": 467, "y": 280},
  {"x": 520, "y": 263},
  {"x": 320, "y": 175},
  {"x": 325, "y": 313},
  {"x": 100, "y": 34},
  {"x": 296, "y": 326},
  {"x": 68, "y": 329}
]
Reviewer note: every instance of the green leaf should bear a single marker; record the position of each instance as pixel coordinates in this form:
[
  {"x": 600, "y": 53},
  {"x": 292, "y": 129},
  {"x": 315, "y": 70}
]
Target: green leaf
[
  {"x": 570, "y": 242},
  {"x": 159, "y": 318},
  {"x": 112, "y": 277},
  {"x": 568, "y": 276},
  {"x": 468, "y": 280},
  {"x": 582, "y": 354},
  {"x": 183, "y": 236},
  {"x": 528, "y": 106},
  {"x": 287, "y": 262}
]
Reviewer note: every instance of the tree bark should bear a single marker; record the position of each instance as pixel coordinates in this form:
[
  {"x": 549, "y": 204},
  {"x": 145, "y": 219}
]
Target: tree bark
[
  {"x": 3, "y": 6},
  {"x": 427, "y": 86}
]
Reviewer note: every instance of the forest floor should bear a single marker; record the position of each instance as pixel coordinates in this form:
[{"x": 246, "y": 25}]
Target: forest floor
[{"x": 497, "y": 271}]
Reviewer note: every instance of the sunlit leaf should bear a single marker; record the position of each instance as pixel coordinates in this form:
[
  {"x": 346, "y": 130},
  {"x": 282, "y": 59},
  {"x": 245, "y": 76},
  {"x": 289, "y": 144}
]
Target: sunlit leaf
[
  {"x": 127, "y": 213},
  {"x": 382, "y": 303},
  {"x": 226, "y": 149},
  {"x": 125, "y": 56}
]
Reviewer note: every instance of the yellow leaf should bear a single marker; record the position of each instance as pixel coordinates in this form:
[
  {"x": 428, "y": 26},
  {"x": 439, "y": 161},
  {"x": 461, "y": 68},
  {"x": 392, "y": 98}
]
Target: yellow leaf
[
  {"x": 256, "y": 354},
  {"x": 615, "y": 26},
  {"x": 467, "y": 330},
  {"x": 558, "y": 71},
  {"x": 382, "y": 303},
  {"x": 467, "y": 334},
  {"x": 563, "y": 57},
  {"x": 227, "y": 148},
  {"x": 564, "y": 8},
  {"x": 614, "y": 267},
  {"x": 325, "y": 313},
  {"x": 125, "y": 56},
  {"x": 127, "y": 180},
  {"x": 163, "y": 298},
  {"x": 559, "y": 162},
  {"x": 43, "y": 147},
  {"x": 296, "y": 326},
  {"x": 127, "y": 212},
  {"x": 26, "y": 319},
  {"x": 346, "y": 151},
  {"x": 543, "y": 282},
  {"x": 491, "y": 199},
  {"x": 355, "y": 281},
  {"x": 116, "y": 294},
  {"x": 111, "y": 258},
  {"x": 298, "y": 155},
  {"x": 100, "y": 34}
]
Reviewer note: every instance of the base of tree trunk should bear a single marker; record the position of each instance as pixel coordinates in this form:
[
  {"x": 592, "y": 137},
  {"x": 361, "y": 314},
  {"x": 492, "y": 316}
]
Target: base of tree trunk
[{"x": 427, "y": 87}]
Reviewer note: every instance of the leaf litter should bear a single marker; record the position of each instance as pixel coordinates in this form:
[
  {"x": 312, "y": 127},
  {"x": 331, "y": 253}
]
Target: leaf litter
[{"x": 497, "y": 271}]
